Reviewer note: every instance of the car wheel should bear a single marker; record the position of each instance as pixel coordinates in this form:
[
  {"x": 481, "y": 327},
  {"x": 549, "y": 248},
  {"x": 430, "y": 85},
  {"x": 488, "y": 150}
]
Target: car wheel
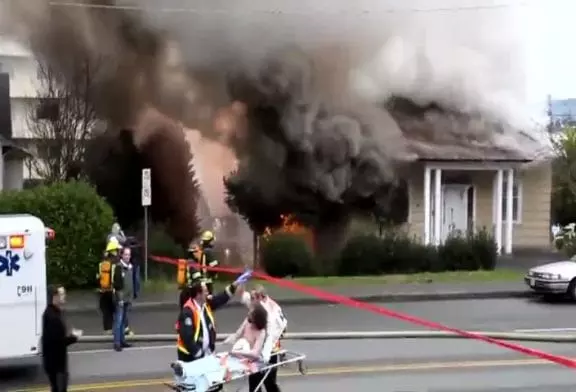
[{"x": 572, "y": 290}]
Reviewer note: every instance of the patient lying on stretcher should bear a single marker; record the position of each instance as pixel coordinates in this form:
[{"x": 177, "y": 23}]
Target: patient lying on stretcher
[{"x": 244, "y": 358}]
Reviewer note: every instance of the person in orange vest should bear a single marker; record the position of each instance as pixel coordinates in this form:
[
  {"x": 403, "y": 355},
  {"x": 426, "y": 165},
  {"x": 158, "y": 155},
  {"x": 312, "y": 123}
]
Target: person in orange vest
[
  {"x": 186, "y": 276},
  {"x": 105, "y": 284},
  {"x": 196, "y": 326}
]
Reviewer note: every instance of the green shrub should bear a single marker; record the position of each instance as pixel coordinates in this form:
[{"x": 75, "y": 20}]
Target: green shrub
[
  {"x": 468, "y": 252},
  {"x": 362, "y": 255},
  {"x": 286, "y": 254},
  {"x": 397, "y": 253},
  {"x": 484, "y": 247},
  {"x": 81, "y": 220},
  {"x": 161, "y": 244},
  {"x": 456, "y": 254},
  {"x": 394, "y": 252},
  {"x": 407, "y": 255}
]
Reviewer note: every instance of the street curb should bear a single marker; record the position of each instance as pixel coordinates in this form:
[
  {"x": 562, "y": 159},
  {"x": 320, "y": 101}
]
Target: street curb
[{"x": 397, "y": 297}]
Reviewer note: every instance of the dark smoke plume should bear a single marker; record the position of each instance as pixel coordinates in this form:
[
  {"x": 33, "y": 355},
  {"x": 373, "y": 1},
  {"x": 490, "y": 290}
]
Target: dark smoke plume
[
  {"x": 325, "y": 129},
  {"x": 127, "y": 58},
  {"x": 114, "y": 163},
  {"x": 308, "y": 152}
]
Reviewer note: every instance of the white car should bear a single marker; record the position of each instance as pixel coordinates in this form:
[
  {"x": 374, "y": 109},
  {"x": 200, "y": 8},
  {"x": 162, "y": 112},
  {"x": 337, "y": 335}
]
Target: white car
[{"x": 553, "y": 278}]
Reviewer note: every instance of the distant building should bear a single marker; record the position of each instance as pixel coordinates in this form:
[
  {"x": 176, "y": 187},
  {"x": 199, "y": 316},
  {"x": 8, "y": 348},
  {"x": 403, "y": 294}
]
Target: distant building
[
  {"x": 18, "y": 90},
  {"x": 562, "y": 112}
]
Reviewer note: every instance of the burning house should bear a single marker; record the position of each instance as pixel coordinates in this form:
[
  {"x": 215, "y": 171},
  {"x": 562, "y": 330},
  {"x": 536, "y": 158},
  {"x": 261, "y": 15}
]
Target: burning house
[{"x": 323, "y": 121}]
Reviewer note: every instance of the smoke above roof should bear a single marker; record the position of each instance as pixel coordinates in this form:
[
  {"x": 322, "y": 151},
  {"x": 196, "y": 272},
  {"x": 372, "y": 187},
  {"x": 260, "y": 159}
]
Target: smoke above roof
[{"x": 323, "y": 102}]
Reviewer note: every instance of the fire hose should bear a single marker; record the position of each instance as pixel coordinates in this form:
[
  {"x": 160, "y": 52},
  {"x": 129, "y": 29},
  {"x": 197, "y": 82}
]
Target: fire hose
[
  {"x": 382, "y": 311},
  {"x": 349, "y": 335}
]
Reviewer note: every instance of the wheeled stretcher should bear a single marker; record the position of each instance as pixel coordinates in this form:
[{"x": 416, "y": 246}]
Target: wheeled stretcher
[{"x": 211, "y": 373}]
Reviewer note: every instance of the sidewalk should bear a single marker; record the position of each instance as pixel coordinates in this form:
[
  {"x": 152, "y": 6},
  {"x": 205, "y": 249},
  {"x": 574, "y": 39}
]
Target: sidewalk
[{"x": 87, "y": 301}]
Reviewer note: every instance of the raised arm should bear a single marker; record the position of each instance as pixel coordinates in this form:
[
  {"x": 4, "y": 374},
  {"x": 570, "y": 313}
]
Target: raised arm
[{"x": 218, "y": 300}]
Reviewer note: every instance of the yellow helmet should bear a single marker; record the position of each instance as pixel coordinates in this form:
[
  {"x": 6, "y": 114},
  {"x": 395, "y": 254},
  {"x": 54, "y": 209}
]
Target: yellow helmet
[
  {"x": 207, "y": 236},
  {"x": 113, "y": 245}
]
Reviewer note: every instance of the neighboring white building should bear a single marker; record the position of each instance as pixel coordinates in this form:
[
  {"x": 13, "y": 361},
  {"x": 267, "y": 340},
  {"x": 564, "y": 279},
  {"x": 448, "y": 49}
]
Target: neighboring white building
[{"x": 20, "y": 65}]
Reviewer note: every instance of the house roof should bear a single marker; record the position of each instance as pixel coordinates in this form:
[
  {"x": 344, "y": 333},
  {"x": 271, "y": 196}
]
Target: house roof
[
  {"x": 435, "y": 133},
  {"x": 434, "y": 152}
]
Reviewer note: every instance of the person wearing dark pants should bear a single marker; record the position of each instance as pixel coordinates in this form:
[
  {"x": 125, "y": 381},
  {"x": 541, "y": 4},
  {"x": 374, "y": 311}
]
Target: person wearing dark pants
[
  {"x": 55, "y": 340},
  {"x": 107, "y": 309},
  {"x": 105, "y": 284},
  {"x": 123, "y": 278},
  {"x": 270, "y": 383},
  {"x": 128, "y": 257},
  {"x": 275, "y": 329}
]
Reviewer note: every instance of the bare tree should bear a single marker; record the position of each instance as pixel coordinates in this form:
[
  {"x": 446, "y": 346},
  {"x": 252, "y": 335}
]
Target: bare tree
[{"x": 61, "y": 121}]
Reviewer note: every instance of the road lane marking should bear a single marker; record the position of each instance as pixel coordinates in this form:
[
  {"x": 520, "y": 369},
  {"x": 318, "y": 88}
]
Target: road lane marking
[
  {"x": 317, "y": 372},
  {"x": 546, "y": 330},
  {"x": 110, "y": 350}
]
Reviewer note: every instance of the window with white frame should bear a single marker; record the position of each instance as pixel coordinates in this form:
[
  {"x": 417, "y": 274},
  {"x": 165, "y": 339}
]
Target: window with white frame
[{"x": 516, "y": 198}]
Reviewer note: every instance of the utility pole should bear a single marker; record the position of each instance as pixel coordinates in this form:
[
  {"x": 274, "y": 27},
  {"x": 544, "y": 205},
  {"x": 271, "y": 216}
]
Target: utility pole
[{"x": 550, "y": 116}]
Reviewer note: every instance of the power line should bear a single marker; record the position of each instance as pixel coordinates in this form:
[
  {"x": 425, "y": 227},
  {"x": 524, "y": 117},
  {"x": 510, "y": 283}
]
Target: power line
[{"x": 281, "y": 12}]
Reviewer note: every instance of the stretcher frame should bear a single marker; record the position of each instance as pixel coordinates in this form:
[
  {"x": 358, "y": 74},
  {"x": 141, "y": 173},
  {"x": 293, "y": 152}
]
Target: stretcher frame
[{"x": 286, "y": 357}]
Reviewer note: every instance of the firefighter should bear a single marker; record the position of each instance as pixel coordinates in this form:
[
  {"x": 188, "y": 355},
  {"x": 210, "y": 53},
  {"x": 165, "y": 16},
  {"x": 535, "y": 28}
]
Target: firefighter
[
  {"x": 202, "y": 255},
  {"x": 196, "y": 327},
  {"x": 104, "y": 278},
  {"x": 207, "y": 258}
]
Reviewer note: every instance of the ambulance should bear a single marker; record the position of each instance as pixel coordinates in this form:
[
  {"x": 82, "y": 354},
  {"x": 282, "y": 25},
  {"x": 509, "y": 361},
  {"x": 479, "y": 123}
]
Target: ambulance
[{"x": 22, "y": 287}]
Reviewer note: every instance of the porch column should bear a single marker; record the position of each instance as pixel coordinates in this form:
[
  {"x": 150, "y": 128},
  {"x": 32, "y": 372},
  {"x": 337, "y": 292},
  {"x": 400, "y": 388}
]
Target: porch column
[
  {"x": 509, "y": 210},
  {"x": 499, "y": 195},
  {"x": 427, "y": 205},
  {"x": 437, "y": 205}
]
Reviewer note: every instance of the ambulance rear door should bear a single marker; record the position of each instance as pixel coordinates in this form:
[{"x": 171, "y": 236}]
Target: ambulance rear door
[{"x": 22, "y": 284}]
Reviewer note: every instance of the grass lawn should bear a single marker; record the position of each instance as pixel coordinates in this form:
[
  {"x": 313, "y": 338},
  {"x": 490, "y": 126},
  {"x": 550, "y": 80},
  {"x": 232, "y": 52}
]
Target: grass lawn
[{"x": 422, "y": 278}]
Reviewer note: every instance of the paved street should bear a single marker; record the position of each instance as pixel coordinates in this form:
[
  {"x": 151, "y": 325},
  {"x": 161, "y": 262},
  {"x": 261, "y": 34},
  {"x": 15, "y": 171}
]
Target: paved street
[
  {"x": 496, "y": 315},
  {"x": 491, "y": 379},
  {"x": 411, "y": 366},
  {"x": 389, "y": 292}
]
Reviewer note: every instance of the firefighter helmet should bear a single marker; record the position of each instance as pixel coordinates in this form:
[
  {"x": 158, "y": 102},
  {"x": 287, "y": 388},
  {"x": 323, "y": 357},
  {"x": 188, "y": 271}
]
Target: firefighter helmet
[
  {"x": 207, "y": 236},
  {"x": 113, "y": 245}
]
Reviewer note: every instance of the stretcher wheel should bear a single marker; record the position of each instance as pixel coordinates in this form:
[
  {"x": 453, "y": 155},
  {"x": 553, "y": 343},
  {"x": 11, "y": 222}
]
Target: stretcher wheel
[{"x": 302, "y": 368}]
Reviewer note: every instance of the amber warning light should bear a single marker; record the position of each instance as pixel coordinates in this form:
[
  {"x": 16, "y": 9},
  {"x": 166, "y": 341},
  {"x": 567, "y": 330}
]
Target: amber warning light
[{"x": 16, "y": 241}]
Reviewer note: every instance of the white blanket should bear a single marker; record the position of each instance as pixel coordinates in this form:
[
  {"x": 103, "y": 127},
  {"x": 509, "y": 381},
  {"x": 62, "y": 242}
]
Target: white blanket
[{"x": 204, "y": 373}]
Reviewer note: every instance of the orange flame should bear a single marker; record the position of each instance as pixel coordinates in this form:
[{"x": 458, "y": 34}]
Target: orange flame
[{"x": 290, "y": 225}]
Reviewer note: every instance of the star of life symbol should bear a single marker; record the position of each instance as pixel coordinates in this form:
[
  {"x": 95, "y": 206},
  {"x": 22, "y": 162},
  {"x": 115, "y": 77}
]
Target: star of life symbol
[{"x": 9, "y": 263}]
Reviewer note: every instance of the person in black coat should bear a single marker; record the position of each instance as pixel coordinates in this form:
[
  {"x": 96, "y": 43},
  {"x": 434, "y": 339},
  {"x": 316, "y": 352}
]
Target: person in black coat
[{"x": 56, "y": 339}]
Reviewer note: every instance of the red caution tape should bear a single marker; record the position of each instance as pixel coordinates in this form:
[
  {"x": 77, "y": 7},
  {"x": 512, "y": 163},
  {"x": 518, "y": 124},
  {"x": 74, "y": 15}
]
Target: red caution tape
[{"x": 331, "y": 297}]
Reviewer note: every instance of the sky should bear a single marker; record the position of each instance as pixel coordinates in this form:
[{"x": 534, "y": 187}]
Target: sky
[
  {"x": 547, "y": 36},
  {"x": 550, "y": 52}
]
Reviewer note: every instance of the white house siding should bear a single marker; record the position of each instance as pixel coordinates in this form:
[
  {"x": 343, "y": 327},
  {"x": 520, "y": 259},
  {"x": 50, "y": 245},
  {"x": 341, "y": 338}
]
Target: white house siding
[{"x": 18, "y": 62}]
